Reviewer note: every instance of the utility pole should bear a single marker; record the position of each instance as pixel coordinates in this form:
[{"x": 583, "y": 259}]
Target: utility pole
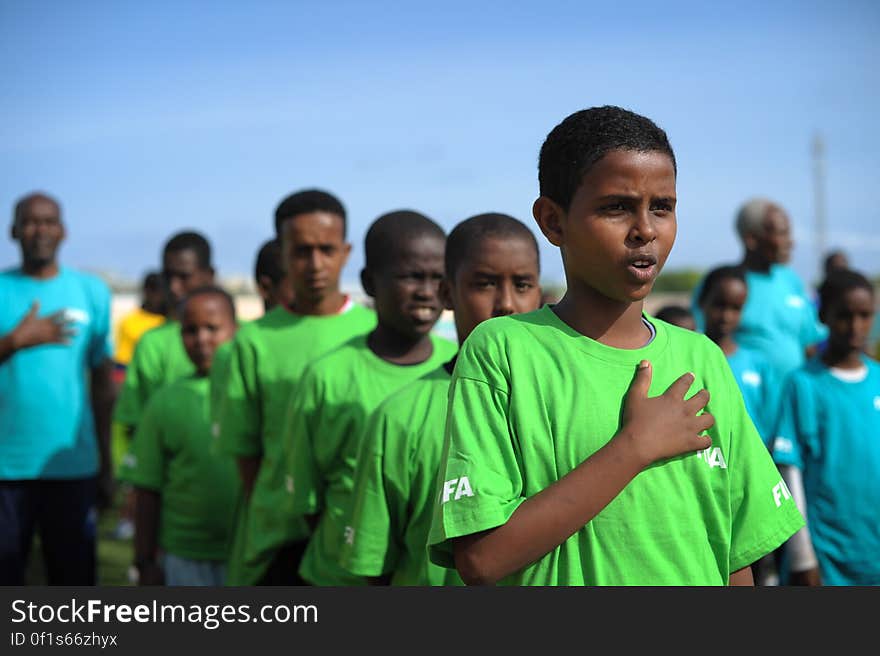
[{"x": 819, "y": 200}]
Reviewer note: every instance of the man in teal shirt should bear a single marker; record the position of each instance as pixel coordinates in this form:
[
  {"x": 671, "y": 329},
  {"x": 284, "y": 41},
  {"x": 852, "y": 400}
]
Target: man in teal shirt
[{"x": 54, "y": 423}]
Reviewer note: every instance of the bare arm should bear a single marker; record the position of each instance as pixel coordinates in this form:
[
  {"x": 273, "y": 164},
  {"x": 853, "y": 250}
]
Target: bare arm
[
  {"x": 248, "y": 468},
  {"x": 103, "y": 397},
  {"x": 31, "y": 331},
  {"x": 742, "y": 577},
  {"x": 146, "y": 536},
  {"x": 652, "y": 429}
]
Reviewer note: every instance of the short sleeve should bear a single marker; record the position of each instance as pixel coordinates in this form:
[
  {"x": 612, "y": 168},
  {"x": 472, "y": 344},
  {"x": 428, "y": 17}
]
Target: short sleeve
[
  {"x": 763, "y": 514},
  {"x": 795, "y": 427},
  {"x": 480, "y": 483},
  {"x": 130, "y": 401},
  {"x": 372, "y": 547},
  {"x": 303, "y": 479},
  {"x": 235, "y": 394},
  {"x": 145, "y": 462},
  {"x": 99, "y": 344}
]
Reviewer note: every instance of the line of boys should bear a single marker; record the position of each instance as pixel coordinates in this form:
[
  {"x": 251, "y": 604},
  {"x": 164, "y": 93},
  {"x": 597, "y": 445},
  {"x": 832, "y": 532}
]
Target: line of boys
[{"x": 581, "y": 444}]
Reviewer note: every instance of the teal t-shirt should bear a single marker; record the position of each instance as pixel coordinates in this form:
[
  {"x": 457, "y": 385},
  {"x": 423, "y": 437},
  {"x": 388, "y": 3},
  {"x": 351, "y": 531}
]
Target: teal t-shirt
[
  {"x": 337, "y": 395},
  {"x": 531, "y": 399},
  {"x": 760, "y": 389},
  {"x": 47, "y": 427},
  {"x": 829, "y": 428},
  {"x": 395, "y": 479},
  {"x": 779, "y": 320},
  {"x": 159, "y": 358},
  {"x": 171, "y": 454},
  {"x": 253, "y": 384}
]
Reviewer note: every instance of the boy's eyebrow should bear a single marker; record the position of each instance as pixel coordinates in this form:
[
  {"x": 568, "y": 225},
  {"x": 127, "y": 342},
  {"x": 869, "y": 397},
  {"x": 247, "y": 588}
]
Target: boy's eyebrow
[{"x": 626, "y": 196}]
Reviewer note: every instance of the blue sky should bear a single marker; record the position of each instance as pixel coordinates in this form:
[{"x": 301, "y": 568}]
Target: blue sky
[{"x": 148, "y": 118}]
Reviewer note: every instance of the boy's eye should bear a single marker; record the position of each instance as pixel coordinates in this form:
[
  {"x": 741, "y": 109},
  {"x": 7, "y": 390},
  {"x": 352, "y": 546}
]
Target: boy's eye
[
  {"x": 661, "y": 206},
  {"x": 523, "y": 285}
]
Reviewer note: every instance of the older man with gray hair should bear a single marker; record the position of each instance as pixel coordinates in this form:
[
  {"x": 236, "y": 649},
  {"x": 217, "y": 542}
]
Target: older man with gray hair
[{"x": 778, "y": 319}]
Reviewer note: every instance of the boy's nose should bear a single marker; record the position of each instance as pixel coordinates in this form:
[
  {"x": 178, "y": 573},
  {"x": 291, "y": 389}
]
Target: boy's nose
[{"x": 504, "y": 301}]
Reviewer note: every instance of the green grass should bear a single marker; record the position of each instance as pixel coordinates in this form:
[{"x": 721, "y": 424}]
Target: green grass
[{"x": 114, "y": 556}]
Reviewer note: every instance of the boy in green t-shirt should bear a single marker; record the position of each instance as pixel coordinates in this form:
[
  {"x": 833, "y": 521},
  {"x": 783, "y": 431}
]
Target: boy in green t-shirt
[
  {"x": 260, "y": 373},
  {"x": 574, "y": 452},
  {"x": 183, "y": 491},
  {"x": 339, "y": 392},
  {"x": 159, "y": 357},
  {"x": 492, "y": 270}
]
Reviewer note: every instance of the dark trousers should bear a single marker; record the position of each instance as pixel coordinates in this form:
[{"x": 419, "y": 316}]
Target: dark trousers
[
  {"x": 284, "y": 569},
  {"x": 64, "y": 513}
]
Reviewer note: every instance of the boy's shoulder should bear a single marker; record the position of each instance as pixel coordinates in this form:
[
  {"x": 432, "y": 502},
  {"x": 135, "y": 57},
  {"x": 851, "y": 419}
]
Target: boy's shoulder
[
  {"x": 178, "y": 392},
  {"x": 330, "y": 363},
  {"x": 412, "y": 397},
  {"x": 512, "y": 327}
]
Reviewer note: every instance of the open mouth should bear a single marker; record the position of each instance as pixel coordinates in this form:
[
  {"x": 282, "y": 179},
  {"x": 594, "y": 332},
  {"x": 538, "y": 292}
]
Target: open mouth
[
  {"x": 643, "y": 267},
  {"x": 424, "y": 313}
]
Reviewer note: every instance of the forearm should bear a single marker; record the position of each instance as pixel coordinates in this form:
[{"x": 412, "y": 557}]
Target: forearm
[
  {"x": 742, "y": 577},
  {"x": 103, "y": 397},
  {"x": 547, "y": 519},
  {"x": 8, "y": 346},
  {"x": 146, "y": 524},
  {"x": 248, "y": 468}
]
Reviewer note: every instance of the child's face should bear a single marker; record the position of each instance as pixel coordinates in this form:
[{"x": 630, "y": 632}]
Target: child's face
[
  {"x": 314, "y": 252},
  {"x": 849, "y": 320},
  {"x": 182, "y": 274},
  {"x": 620, "y": 226},
  {"x": 499, "y": 277},
  {"x": 205, "y": 325},
  {"x": 722, "y": 307},
  {"x": 406, "y": 292}
]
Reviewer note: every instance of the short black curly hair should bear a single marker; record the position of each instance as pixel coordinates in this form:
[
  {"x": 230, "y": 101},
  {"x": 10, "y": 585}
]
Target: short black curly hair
[
  {"x": 838, "y": 283},
  {"x": 583, "y": 138},
  {"x": 467, "y": 237},
  {"x": 305, "y": 202}
]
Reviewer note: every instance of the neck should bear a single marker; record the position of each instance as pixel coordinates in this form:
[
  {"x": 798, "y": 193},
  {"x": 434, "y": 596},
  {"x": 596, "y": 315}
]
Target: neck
[
  {"x": 40, "y": 269},
  {"x": 755, "y": 262},
  {"x": 725, "y": 343},
  {"x": 393, "y": 347},
  {"x": 613, "y": 323},
  {"x": 848, "y": 359},
  {"x": 330, "y": 304}
]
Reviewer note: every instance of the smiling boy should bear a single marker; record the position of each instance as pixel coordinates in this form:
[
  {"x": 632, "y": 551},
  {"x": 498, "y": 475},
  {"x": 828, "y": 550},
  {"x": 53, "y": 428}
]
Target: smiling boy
[{"x": 574, "y": 453}]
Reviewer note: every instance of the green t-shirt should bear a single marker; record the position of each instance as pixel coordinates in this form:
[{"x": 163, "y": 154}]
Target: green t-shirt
[
  {"x": 159, "y": 358},
  {"x": 394, "y": 484},
  {"x": 531, "y": 399},
  {"x": 171, "y": 454},
  {"x": 336, "y": 397},
  {"x": 262, "y": 371}
]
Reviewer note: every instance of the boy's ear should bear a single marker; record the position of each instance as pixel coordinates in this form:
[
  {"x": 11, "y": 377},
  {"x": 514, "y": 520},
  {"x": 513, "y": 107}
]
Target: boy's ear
[
  {"x": 264, "y": 287},
  {"x": 445, "y": 293},
  {"x": 549, "y": 216},
  {"x": 750, "y": 241},
  {"x": 367, "y": 282}
]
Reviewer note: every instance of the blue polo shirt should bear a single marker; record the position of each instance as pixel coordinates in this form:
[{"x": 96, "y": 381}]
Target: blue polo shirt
[{"x": 47, "y": 428}]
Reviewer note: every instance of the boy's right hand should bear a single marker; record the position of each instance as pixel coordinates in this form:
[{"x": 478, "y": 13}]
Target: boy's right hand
[
  {"x": 34, "y": 331},
  {"x": 667, "y": 425}
]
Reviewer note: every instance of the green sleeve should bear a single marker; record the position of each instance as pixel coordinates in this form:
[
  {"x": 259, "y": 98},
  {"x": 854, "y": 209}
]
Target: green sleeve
[
  {"x": 763, "y": 513},
  {"x": 146, "y": 461},
  {"x": 480, "y": 484},
  {"x": 219, "y": 379},
  {"x": 303, "y": 478},
  {"x": 236, "y": 411},
  {"x": 371, "y": 547},
  {"x": 135, "y": 388}
]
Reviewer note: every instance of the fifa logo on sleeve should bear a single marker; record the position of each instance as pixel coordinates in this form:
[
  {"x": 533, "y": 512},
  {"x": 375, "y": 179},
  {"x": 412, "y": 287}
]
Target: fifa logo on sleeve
[
  {"x": 780, "y": 493},
  {"x": 348, "y": 535},
  {"x": 456, "y": 488}
]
